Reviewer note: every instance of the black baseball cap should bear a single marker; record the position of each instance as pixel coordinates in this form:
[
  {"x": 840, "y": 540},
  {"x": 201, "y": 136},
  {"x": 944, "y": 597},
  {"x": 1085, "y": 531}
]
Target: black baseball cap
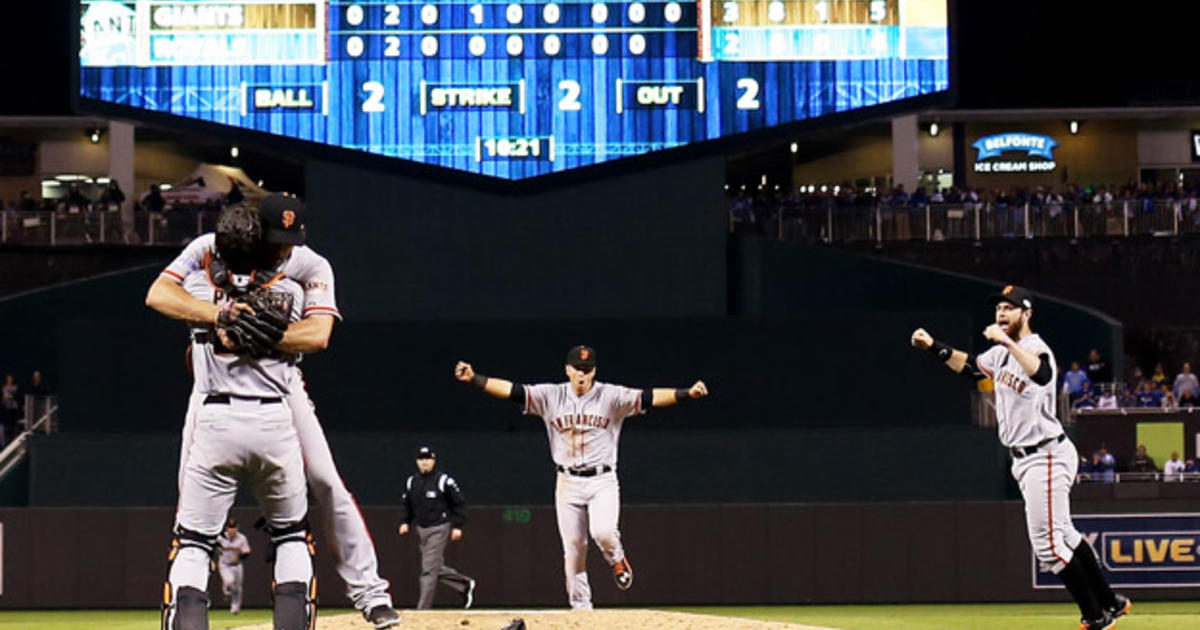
[
  {"x": 581, "y": 357},
  {"x": 426, "y": 453},
  {"x": 1017, "y": 296},
  {"x": 282, "y": 219},
  {"x": 232, "y": 522}
]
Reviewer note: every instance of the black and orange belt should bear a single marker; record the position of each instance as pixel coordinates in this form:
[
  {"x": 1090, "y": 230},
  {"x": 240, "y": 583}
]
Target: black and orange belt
[
  {"x": 585, "y": 471},
  {"x": 1021, "y": 451}
]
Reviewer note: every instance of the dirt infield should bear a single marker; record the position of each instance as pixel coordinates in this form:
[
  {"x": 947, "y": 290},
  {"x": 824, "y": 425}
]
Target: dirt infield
[{"x": 626, "y": 619}]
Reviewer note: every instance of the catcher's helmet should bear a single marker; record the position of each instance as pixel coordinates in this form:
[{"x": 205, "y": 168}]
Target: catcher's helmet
[{"x": 239, "y": 234}]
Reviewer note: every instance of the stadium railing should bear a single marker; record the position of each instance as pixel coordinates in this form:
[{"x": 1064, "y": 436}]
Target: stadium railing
[
  {"x": 826, "y": 221},
  {"x": 44, "y": 227}
]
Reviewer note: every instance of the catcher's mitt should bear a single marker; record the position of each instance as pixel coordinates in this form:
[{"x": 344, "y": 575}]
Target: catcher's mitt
[{"x": 259, "y": 332}]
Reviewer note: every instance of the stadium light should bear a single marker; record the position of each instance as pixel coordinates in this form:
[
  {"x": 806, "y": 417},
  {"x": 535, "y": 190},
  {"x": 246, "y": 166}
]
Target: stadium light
[
  {"x": 233, "y": 152},
  {"x": 934, "y": 129},
  {"x": 795, "y": 147},
  {"x": 1073, "y": 126},
  {"x": 94, "y": 134}
]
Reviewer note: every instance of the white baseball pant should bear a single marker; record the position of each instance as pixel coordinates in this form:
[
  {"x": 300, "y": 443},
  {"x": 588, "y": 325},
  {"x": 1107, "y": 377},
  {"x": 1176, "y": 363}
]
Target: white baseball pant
[
  {"x": 232, "y": 584},
  {"x": 587, "y": 505},
  {"x": 1046, "y": 477},
  {"x": 334, "y": 510},
  {"x": 241, "y": 440}
]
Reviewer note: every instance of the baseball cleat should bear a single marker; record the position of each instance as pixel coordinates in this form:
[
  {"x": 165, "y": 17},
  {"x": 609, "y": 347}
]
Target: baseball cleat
[
  {"x": 623, "y": 574},
  {"x": 1122, "y": 608},
  {"x": 1104, "y": 623},
  {"x": 382, "y": 616},
  {"x": 469, "y": 595}
]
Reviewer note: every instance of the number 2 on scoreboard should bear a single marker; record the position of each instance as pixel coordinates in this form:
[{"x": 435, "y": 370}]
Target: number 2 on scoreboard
[
  {"x": 570, "y": 100},
  {"x": 374, "y": 102},
  {"x": 749, "y": 98}
]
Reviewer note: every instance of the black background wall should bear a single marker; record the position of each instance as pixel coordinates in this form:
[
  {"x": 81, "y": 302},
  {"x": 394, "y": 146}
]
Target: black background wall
[
  {"x": 649, "y": 244},
  {"x": 696, "y": 554}
]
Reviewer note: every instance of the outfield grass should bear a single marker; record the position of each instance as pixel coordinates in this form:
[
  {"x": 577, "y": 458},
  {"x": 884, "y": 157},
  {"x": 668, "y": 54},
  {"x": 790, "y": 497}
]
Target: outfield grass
[{"x": 1146, "y": 616}]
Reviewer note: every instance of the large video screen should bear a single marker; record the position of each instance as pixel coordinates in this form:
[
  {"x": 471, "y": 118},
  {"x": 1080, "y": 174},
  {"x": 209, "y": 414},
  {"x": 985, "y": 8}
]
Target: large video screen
[{"x": 510, "y": 88}]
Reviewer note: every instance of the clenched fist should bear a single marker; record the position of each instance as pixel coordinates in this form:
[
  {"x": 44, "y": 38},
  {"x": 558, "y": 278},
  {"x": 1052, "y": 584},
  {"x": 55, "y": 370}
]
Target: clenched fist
[
  {"x": 921, "y": 340},
  {"x": 995, "y": 334},
  {"x": 464, "y": 372},
  {"x": 699, "y": 390}
]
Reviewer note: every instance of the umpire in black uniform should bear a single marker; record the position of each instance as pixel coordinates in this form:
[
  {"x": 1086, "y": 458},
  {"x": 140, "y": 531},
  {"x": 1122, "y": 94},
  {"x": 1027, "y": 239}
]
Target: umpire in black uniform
[{"x": 434, "y": 502}]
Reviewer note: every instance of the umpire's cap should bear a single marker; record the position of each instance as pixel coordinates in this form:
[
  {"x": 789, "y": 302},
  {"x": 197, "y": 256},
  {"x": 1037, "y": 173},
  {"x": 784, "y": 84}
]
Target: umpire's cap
[
  {"x": 282, "y": 219},
  {"x": 232, "y": 522},
  {"x": 1017, "y": 296},
  {"x": 581, "y": 357},
  {"x": 426, "y": 453}
]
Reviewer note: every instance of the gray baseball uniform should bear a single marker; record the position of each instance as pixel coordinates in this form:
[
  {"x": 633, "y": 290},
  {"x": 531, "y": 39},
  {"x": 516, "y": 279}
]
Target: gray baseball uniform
[
  {"x": 243, "y": 434},
  {"x": 1025, "y": 415},
  {"x": 334, "y": 508},
  {"x": 229, "y": 566},
  {"x": 584, "y": 432}
]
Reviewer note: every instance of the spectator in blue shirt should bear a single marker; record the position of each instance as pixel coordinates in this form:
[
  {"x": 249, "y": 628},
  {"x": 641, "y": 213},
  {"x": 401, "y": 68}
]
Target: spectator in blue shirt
[
  {"x": 1086, "y": 398},
  {"x": 1107, "y": 464},
  {"x": 1147, "y": 395},
  {"x": 1074, "y": 379}
]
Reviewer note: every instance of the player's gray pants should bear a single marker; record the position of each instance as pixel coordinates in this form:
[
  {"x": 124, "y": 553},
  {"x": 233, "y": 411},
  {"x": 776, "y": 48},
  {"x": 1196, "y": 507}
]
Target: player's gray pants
[
  {"x": 334, "y": 511},
  {"x": 433, "y": 565},
  {"x": 587, "y": 505},
  {"x": 232, "y": 577},
  {"x": 252, "y": 443},
  {"x": 1046, "y": 478}
]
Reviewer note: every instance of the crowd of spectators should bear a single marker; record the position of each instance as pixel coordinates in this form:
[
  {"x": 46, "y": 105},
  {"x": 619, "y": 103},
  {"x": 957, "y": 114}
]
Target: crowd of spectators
[
  {"x": 1094, "y": 388},
  {"x": 752, "y": 209},
  {"x": 109, "y": 198},
  {"x": 1103, "y": 466},
  {"x": 12, "y": 402}
]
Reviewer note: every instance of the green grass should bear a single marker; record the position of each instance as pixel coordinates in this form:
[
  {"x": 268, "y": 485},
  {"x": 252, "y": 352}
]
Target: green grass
[
  {"x": 124, "y": 619},
  {"x": 1145, "y": 616}
]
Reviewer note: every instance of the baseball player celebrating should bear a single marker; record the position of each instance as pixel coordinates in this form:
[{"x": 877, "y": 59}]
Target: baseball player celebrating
[
  {"x": 583, "y": 422},
  {"x": 1044, "y": 460},
  {"x": 243, "y": 430},
  {"x": 234, "y": 549},
  {"x": 334, "y": 509}
]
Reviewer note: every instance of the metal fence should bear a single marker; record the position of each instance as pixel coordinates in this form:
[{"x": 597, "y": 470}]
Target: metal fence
[
  {"x": 44, "y": 227},
  {"x": 971, "y": 221}
]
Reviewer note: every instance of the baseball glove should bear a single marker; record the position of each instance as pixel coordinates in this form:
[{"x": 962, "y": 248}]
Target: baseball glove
[{"x": 259, "y": 332}]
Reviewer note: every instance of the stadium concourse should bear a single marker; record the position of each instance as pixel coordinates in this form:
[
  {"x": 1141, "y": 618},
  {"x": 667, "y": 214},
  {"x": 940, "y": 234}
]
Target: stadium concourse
[{"x": 620, "y": 619}]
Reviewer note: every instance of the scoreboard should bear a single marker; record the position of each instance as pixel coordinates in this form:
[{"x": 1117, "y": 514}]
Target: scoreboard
[{"x": 510, "y": 88}]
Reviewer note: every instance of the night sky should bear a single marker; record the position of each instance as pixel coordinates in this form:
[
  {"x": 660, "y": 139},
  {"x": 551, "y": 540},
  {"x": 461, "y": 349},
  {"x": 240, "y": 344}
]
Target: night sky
[{"x": 1015, "y": 53}]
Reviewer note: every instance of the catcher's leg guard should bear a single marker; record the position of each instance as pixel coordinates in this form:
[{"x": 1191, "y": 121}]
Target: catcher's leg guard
[
  {"x": 295, "y": 590},
  {"x": 185, "y": 600}
]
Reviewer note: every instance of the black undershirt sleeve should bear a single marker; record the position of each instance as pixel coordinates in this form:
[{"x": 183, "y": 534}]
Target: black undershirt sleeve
[
  {"x": 971, "y": 369},
  {"x": 1044, "y": 373},
  {"x": 647, "y": 398},
  {"x": 517, "y": 394}
]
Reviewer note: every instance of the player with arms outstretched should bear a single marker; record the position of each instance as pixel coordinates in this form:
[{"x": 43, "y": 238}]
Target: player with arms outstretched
[
  {"x": 1044, "y": 459},
  {"x": 583, "y": 421}
]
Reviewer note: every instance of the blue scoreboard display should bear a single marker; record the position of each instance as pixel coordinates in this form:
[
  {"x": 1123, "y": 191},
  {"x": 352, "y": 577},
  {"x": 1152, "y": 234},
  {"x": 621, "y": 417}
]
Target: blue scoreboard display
[{"x": 510, "y": 88}]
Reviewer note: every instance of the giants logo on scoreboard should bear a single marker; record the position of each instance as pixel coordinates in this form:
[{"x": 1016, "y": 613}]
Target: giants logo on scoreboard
[{"x": 107, "y": 34}]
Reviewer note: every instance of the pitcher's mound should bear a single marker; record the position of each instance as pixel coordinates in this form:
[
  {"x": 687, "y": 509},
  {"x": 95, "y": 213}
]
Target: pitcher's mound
[{"x": 619, "y": 619}]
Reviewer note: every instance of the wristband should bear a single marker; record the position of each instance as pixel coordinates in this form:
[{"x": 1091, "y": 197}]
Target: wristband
[
  {"x": 479, "y": 381},
  {"x": 941, "y": 350},
  {"x": 682, "y": 394}
]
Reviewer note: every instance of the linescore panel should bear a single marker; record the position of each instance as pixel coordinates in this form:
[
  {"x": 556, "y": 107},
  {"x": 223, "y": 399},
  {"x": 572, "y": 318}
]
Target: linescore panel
[{"x": 510, "y": 89}]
